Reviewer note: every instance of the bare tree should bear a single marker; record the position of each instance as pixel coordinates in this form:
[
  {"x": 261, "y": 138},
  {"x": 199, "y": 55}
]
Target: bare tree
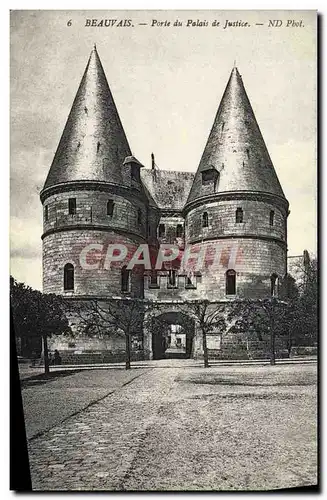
[
  {"x": 117, "y": 316},
  {"x": 209, "y": 316},
  {"x": 259, "y": 316}
]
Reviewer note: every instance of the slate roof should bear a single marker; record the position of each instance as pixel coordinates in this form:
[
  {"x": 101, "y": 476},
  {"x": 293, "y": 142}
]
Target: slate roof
[
  {"x": 93, "y": 145},
  {"x": 236, "y": 149},
  {"x": 168, "y": 188}
]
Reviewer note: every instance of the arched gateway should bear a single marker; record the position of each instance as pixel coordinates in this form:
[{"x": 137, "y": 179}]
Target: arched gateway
[{"x": 171, "y": 332}]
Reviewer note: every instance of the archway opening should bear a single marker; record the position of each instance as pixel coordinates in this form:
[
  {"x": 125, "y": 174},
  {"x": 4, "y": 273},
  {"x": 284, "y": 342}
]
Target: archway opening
[{"x": 172, "y": 336}]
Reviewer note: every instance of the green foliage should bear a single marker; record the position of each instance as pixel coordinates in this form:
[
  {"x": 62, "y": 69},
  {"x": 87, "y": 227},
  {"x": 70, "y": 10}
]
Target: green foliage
[{"x": 36, "y": 314}]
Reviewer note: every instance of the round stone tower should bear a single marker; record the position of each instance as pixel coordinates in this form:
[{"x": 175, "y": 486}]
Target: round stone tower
[
  {"x": 236, "y": 210},
  {"x": 93, "y": 197}
]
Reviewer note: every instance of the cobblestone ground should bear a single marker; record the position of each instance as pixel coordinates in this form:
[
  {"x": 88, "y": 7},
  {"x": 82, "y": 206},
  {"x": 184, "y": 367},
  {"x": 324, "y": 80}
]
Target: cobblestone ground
[{"x": 187, "y": 428}]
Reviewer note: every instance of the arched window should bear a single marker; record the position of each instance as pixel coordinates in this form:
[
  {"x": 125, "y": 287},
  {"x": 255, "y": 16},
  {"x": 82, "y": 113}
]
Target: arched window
[
  {"x": 205, "y": 219},
  {"x": 274, "y": 285},
  {"x": 125, "y": 279},
  {"x": 110, "y": 208},
  {"x": 271, "y": 217},
  {"x": 69, "y": 277},
  {"x": 239, "y": 215},
  {"x": 230, "y": 282}
]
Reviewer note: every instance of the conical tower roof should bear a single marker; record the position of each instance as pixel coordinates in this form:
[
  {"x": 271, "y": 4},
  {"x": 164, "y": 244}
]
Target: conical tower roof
[
  {"x": 93, "y": 145},
  {"x": 236, "y": 149}
]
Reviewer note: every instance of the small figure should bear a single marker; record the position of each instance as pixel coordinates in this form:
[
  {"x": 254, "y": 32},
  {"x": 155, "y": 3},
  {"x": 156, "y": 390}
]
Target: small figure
[
  {"x": 57, "y": 357},
  {"x": 51, "y": 359}
]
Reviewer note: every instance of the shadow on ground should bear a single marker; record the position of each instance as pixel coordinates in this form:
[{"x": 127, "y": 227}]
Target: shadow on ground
[{"x": 43, "y": 378}]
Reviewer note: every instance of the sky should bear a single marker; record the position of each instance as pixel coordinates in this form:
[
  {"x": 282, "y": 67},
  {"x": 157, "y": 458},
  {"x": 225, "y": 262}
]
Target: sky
[{"x": 167, "y": 83}]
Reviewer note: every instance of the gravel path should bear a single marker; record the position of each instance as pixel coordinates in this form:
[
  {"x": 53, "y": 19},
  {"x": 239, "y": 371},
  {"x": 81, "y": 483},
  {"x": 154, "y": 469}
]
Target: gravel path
[{"x": 187, "y": 428}]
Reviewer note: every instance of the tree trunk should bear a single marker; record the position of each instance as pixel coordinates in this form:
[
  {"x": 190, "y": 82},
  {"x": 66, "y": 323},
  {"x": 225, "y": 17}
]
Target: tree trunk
[
  {"x": 128, "y": 352},
  {"x": 205, "y": 349},
  {"x": 272, "y": 340},
  {"x": 46, "y": 355}
]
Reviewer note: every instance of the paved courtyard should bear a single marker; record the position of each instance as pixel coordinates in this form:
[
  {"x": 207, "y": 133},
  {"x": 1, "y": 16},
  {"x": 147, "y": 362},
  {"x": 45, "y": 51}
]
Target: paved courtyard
[{"x": 172, "y": 425}]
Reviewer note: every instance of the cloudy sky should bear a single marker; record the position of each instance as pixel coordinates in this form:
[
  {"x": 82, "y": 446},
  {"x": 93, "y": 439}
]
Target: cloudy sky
[{"x": 167, "y": 82}]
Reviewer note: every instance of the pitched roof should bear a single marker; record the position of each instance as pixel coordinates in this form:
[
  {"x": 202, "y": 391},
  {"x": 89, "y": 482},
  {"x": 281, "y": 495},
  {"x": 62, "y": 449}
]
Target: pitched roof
[
  {"x": 168, "y": 188},
  {"x": 93, "y": 145},
  {"x": 236, "y": 149}
]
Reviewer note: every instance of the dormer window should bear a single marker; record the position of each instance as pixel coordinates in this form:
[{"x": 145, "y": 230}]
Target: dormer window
[
  {"x": 72, "y": 206},
  {"x": 239, "y": 215},
  {"x": 110, "y": 208},
  {"x": 208, "y": 176},
  {"x": 135, "y": 173}
]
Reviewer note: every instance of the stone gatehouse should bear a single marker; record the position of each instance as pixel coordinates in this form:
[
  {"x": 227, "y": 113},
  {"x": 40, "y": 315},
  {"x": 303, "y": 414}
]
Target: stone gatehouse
[{"x": 231, "y": 211}]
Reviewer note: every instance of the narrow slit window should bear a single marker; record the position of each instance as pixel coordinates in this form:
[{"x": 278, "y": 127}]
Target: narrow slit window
[
  {"x": 205, "y": 219},
  {"x": 271, "y": 218},
  {"x": 162, "y": 230},
  {"x": 139, "y": 216},
  {"x": 230, "y": 282},
  {"x": 110, "y": 208},
  {"x": 72, "y": 206},
  {"x": 69, "y": 277},
  {"x": 46, "y": 213},
  {"x": 125, "y": 279},
  {"x": 239, "y": 215}
]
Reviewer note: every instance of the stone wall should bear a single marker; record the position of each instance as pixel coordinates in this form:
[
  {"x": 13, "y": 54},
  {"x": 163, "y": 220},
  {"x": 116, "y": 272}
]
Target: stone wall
[
  {"x": 222, "y": 220},
  {"x": 66, "y": 246}
]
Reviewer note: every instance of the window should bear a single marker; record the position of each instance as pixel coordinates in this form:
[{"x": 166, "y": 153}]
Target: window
[
  {"x": 274, "y": 285},
  {"x": 139, "y": 216},
  {"x": 239, "y": 215},
  {"x": 110, "y": 208},
  {"x": 162, "y": 230},
  {"x": 154, "y": 278},
  {"x": 46, "y": 213},
  {"x": 230, "y": 282},
  {"x": 72, "y": 206},
  {"x": 179, "y": 230},
  {"x": 69, "y": 277},
  {"x": 135, "y": 173},
  {"x": 125, "y": 279},
  {"x": 271, "y": 217},
  {"x": 205, "y": 220},
  {"x": 190, "y": 282},
  {"x": 208, "y": 176},
  {"x": 172, "y": 279}
]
